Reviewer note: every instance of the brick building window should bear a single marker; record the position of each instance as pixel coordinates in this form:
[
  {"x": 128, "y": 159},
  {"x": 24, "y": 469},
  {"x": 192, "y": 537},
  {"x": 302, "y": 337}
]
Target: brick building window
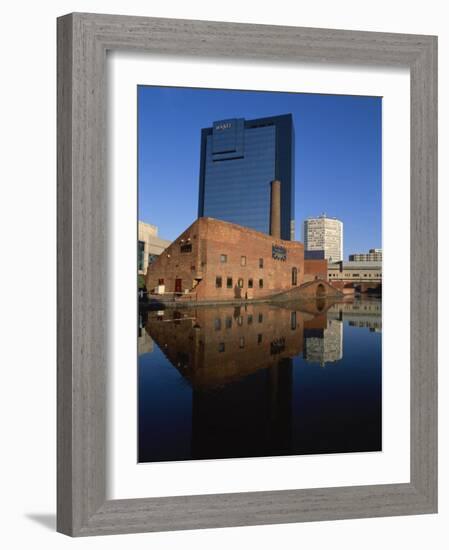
[
  {"x": 218, "y": 282},
  {"x": 187, "y": 247},
  {"x": 217, "y": 323},
  {"x": 160, "y": 281},
  {"x": 243, "y": 260},
  {"x": 250, "y": 283},
  {"x": 260, "y": 317},
  {"x": 223, "y": 258},
  {"x": 221, "y": 347},
  {"x": 294, "y": 276},
  {"x": 229, "y": 282},
  {"x": 242, "y": 342},
  {"x": 261, "y": 263},
  {"x": 259, "y": 338},
  {"x": 228, "y": 322},
  {"x": 250, "y": 319},
  {"x": 260, "y": 283},
  {"x": 240, "y": 283},
  {"x": 293, "y": 320}
]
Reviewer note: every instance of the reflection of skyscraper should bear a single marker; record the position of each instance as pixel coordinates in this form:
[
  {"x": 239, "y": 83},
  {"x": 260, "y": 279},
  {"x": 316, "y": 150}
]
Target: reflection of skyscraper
[
  {"x": 324, "y": 345},
  {"x": 239, "y": 160},
  {"x": 226, "y": 423},
  {"x": 324, "y": 234}
]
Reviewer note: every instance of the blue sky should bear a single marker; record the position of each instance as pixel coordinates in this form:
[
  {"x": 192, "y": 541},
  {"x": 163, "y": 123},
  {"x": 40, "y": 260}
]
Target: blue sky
[{"x": 338, "y": 155}]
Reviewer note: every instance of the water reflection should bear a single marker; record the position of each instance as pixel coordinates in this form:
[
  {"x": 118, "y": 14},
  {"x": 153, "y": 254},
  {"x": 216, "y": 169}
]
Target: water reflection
[{"x": 220, "y": 382}]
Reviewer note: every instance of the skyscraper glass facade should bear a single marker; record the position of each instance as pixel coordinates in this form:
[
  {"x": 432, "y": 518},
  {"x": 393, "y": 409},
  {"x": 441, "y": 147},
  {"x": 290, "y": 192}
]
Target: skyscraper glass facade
[{"x": 239, "y": 160}]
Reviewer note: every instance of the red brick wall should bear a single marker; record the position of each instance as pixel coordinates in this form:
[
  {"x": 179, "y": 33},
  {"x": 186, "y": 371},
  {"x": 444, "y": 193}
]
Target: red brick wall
[
  {"x": 173, "y": 263},
  {"x": 210, "y": 239},
  {"x": 314, "y": 269}
]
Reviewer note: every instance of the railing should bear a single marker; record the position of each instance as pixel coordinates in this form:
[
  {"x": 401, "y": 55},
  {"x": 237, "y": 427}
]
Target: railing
[{"x": 185, "y": 296}]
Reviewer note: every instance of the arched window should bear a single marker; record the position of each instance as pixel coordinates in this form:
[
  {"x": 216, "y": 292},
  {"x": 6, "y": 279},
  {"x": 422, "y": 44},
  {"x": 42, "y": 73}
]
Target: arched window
[{"x": 294, "y": 276}]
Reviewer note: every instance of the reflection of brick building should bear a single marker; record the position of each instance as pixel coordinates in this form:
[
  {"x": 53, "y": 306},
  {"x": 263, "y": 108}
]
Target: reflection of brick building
[
  {"x": 212, "y": 347},
  {"x": 217, "y": 260},
  {"x": 238, "y": 362}
]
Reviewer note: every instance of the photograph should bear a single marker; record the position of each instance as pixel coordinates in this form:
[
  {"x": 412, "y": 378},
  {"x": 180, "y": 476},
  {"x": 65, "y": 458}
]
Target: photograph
[
  {"x": 259, "y": 276},
  {"x": 211, "y": 197}
]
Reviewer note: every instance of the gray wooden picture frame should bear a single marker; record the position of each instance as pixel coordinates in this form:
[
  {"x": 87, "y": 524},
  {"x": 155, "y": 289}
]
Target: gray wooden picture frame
[{"x": 83, "y": 40}]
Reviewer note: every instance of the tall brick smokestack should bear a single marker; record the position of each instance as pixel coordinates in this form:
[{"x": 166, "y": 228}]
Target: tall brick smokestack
[{"x": 275, "y": 212}]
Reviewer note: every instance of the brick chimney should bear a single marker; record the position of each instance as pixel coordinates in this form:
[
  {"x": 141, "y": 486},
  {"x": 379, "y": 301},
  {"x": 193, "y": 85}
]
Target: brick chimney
[{"x": 275, "y": 212}]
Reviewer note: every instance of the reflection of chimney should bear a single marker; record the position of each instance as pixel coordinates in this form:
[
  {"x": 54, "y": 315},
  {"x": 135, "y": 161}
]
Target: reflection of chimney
[{"x": 275, "y": 213}]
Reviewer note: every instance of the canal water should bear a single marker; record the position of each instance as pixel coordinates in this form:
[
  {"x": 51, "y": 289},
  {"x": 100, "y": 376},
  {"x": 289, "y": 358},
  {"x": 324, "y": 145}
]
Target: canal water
[{"x": 260, "y": 380}]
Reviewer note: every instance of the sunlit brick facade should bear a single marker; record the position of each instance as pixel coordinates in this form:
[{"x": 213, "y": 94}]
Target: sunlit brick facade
[{"x": 216, "y": 260}]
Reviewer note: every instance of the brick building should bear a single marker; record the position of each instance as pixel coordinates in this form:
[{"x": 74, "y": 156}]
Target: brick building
[
  {"x": 217, "y": 260},
  {"x": 314, "y": 270}
]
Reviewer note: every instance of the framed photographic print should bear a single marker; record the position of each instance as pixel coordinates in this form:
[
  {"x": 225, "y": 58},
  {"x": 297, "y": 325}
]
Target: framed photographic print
[{"x": 246, "y": 274}]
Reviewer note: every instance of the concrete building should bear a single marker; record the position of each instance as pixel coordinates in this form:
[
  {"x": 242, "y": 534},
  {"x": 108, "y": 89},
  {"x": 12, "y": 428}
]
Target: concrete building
[
  {"x": 239, "y": 160},
  {"x": 326, "y": 235},
  {"x": 360, "y": 272},
  {"x": 374, "y": 255},
  {"x": 356, "y": 276},
  {"x": 149, "y": 246}
]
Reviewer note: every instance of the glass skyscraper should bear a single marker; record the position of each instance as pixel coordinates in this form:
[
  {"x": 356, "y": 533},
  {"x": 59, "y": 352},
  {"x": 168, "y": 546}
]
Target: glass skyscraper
[{"x": 239, "y": 160}]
